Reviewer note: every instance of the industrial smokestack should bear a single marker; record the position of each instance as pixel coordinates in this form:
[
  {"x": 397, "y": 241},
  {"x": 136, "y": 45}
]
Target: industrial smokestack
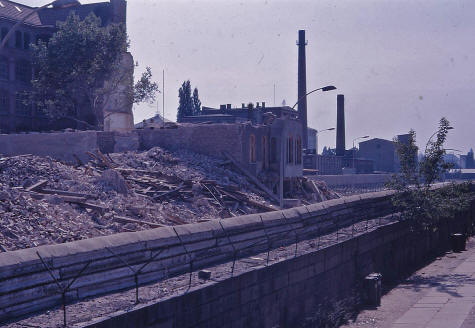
[
  {"x": 340, "y": 125},
  {"x": 302, "y": 87}
]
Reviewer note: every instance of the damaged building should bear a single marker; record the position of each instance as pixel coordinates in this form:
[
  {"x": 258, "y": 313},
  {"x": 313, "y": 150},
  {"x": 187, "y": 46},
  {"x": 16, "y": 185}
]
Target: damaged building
[
  {"x": 31, "y": 24},
  {"x": 260, "y": 149}
]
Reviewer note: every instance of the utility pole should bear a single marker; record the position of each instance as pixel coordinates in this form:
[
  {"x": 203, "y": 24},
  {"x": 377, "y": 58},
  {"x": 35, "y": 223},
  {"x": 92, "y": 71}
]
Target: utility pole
[
  {"x": 163, "y": 97},
  {"x": 274, "y": 94}
]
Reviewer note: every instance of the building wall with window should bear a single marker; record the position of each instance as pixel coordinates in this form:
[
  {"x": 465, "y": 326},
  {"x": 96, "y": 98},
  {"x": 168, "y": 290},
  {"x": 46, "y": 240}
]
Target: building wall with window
[
  {"x": 258, "y": 148},
  {"x": 16, "y": 69}
]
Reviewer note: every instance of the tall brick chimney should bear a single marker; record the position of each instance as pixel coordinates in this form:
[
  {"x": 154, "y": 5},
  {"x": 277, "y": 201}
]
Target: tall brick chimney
[
  {"x": 340, "y": 125},
  {"x": 302, "y": 87}
]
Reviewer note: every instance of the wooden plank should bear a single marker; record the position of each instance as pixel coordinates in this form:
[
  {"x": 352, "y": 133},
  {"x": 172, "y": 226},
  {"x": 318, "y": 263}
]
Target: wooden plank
[
  {"x": 123, "y": 219},
  {"x": 127, "y": 170},
  {"x": 253, "y": 178},
  {"x": 64, "y": 193},
  {"x": 37, "y": 185},
  {"x": 175, "y": 219},
  {"x": 170, "y": 192},
  {"x": 103, "y": 159}
]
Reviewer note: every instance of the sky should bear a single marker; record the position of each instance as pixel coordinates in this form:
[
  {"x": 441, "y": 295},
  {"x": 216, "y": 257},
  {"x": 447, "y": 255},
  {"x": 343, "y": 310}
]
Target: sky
[{"x": 401, "y": 64}]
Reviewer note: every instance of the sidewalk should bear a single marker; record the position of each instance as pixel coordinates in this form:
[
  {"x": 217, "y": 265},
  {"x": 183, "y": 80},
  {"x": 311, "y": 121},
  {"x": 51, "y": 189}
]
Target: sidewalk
[
  {"x": 449, "y": 304},
  {"x": 439, "y": 295}
]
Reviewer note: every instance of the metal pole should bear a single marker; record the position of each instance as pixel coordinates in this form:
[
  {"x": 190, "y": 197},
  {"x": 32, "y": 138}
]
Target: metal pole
[
  {"x": 163, "y": 98},
  {"x": 281, "y": 179},
  {"x": 274, "y": 94}
]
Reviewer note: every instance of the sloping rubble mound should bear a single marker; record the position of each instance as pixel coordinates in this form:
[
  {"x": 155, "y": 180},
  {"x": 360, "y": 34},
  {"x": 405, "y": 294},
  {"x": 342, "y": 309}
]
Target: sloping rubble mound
[
  {"x": 35, "y": 217},
  {"x": 43, "y": 201}
]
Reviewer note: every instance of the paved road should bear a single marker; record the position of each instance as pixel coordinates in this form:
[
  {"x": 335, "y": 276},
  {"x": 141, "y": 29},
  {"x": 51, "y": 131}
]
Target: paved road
[
  {"x": 451, "y": 303},
  {"x": 439, "y": 295}
]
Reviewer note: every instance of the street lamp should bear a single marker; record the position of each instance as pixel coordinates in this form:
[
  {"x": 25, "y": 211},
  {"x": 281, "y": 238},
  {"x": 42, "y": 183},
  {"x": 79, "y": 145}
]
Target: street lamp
[
  {"x": 432, "y": 136},
  {"x": 365, "y": 137},
  {"x": 14, "y": 28},
  {"x": 327, "y": 88},
  {"x": 320, "y": 131}
]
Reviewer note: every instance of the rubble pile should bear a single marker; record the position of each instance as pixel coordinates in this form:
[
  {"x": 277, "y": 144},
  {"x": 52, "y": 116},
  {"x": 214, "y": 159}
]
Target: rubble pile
[{"x": 44, "y": 201}]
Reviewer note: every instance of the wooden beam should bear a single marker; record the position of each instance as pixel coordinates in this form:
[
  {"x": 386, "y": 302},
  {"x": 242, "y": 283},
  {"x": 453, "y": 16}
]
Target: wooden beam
[
  {"x": 252, "y": 178},
  {"x": 123, "y": 219},
  {"x": 37, "y": 185},
  {"x": 64, "y": 193}
]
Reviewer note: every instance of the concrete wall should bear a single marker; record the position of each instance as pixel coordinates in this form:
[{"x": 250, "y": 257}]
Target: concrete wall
[
  {"x": 353, "y": 180},
  {"x": 26, "y": 286},
  {"x": 206, "y": 139},
  {"x": 283, "y": 294},
  {"x": 63, "y": 146},
  {"x": 60, "y": 146}
]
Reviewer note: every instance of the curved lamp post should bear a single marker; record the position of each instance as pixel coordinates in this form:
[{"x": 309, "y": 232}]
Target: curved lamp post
[
  {"x": 327, "y": 88},
  {"x": 15, "y": 27},
  {"x": 432, "y": 136},
  {"x": 320, "y": 131},
  {"x": 365, "y": 137}
]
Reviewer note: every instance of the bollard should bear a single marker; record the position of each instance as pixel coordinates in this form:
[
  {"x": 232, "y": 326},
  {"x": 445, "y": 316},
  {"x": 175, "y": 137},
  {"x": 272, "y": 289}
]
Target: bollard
[
  {"x": 458, "y": 242},
  {"x": 372, "y": 285}
]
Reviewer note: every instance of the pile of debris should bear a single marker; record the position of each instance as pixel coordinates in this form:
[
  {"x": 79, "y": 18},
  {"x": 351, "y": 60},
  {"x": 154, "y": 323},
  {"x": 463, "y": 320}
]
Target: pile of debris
[{"x": 43, "y": 201}]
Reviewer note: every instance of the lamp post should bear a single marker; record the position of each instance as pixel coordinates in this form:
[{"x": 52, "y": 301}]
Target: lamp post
[
  {"x": 327, "y": 88},
  {"x": 364, "y": 137},
  {"x": 432, "y": 136},
  {"x": 320, "y": 131},
  {"x": 15, "y": 27},
  {"x": 303, "y": 113}
]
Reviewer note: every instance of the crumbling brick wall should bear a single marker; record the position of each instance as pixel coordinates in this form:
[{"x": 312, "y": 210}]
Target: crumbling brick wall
[{"x": 205, "y": 139}]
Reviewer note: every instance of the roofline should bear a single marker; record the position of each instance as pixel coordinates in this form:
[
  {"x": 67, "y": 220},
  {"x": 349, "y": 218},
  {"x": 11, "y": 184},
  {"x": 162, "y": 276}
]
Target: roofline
[
  {"x": 21, "y": 4},
  {"x": 25, "y": 23}
]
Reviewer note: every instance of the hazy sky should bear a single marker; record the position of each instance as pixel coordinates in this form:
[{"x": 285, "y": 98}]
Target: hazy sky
[{"x": 401, "y": 64}]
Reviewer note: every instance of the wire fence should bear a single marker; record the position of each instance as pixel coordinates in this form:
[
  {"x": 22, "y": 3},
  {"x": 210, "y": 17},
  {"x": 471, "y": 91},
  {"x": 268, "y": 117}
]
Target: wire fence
[{"x": 291, "y": 243}]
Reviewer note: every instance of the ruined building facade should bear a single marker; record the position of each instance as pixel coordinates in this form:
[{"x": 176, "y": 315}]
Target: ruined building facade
[{"x": 15, "y": 60}]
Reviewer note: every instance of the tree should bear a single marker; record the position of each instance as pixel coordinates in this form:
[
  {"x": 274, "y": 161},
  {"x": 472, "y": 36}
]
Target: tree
[
  {"x": 144, "y": 89},
  {"x": 196, "y": 102},
  {"x": 185, "y": 101},
  {"x": 81, "y": 69},
  {"x": 415, "y": 198}
]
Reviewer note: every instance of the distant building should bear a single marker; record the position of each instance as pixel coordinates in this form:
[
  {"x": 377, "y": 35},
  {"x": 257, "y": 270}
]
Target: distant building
[
  {"x": 312, "y": 141},
  {"x": 155, "y": 122},
  {"x": 381, "y": 152},
  {"x": 15, "y": 61},
  {"x": 470, "y": 162},
  {"x": 228, "y": 114},
  {"x": 452, "y": 159}
]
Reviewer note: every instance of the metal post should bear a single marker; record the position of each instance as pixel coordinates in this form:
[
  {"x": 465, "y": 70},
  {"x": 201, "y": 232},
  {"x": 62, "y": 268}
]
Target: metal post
[
  {"x": 281, "y": 179},
  {"x": 163, "y": 98}
]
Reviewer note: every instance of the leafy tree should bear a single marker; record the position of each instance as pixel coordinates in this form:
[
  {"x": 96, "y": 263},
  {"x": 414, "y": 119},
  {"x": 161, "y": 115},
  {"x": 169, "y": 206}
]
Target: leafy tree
[
  {"x": 196, "y": 102},
  {"x": 144, "y": 89},
  {"x": 185, "y": 103},
  {"x": 80, "y": 69},
  {"x": 416, "y": 198}
]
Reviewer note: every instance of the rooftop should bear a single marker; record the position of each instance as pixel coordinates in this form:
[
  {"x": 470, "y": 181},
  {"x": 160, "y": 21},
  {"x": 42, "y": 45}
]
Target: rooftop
[{"x": 48, "y": 17}]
